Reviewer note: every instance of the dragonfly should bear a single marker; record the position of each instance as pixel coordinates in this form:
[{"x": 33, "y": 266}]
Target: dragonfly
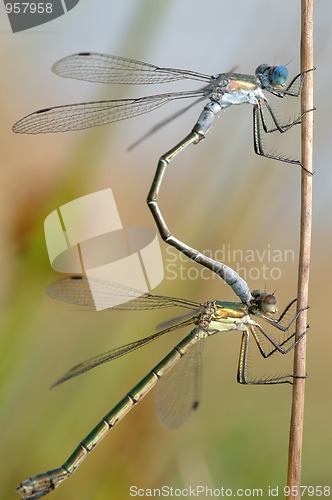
[
  {"x": 221, "y": 91},
  {"x": 177, "y": 375}
]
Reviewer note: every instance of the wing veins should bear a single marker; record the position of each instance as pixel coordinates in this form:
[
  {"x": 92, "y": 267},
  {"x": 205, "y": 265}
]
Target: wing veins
[
  {"x": 116, "y": 353},
  {"x": 79, "y": 116},
  {"x": 103, "y": 68}
]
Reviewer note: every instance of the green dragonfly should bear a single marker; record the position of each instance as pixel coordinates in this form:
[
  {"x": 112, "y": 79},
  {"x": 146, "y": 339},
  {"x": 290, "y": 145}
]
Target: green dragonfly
[{"x": 177, "y": 375}]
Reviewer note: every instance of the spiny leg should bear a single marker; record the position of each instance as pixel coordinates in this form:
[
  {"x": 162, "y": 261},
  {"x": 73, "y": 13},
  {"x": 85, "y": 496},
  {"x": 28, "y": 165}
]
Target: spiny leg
[
  {"x": 278, "y": 347},
  {"x": 258, "y": 143},
  {"x": 276, "y": 323},
  {"x": 284, "y": 312},
  {"x": 242, "y": 373},
  {"x": 282, "y": 93},
  {"x": 282, "y": 128},
  {"x": 259, "y": 122}
]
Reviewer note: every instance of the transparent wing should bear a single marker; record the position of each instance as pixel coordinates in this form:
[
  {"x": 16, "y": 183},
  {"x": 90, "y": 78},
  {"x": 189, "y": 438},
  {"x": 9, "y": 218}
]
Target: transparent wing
[
  {"x": 102, "y": 68},
  {"x": 79, "y": 116},
  {"x": 178, "y": 392},
  {"x": 116, "y": 353},
  {"x": 76, "y": 290}
]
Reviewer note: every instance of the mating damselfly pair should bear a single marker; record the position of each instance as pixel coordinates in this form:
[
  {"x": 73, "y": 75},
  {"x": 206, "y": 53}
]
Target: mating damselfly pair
[{"x": 178, "y": 391}]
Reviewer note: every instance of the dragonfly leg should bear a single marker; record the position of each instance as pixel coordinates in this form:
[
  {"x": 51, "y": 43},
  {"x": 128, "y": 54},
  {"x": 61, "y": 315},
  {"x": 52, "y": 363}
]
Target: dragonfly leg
[
  {"x": 282, "y": 128},
  {"x": 282, "y": 315},
  {"x": 239, "y": 286},
  {"x": 242, "y": 373},
  {"x": 277, "y": 347},
  {"x": 259, "y": 121},
  {"x": 276, "y": 323},
  {"x": 258, "y": 124}
]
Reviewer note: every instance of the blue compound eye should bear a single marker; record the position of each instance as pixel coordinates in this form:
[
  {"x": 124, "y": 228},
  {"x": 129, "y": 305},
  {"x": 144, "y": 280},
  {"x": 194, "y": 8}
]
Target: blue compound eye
[{"x": 279, "y": 75}]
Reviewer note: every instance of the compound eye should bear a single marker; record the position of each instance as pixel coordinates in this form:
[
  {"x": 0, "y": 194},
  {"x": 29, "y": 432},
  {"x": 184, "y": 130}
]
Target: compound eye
[
  {"x": 279, "y": 75},
  {"x": 269, "y": 304}
]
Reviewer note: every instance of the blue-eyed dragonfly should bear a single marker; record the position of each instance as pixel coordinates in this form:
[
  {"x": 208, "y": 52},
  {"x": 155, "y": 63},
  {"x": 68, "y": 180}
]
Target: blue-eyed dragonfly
[
  {"x": 177, "y": 375},
  {"x": 221, "y": 91}
]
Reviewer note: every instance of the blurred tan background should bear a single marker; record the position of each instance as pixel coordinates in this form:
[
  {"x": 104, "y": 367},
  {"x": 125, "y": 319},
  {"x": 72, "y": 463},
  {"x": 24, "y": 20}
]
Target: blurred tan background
[{"x": 216, "y": 196}]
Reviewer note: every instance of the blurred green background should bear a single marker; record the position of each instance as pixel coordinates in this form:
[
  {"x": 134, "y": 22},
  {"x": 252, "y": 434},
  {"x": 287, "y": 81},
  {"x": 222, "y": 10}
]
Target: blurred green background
[{"x": 216, "y": 196}]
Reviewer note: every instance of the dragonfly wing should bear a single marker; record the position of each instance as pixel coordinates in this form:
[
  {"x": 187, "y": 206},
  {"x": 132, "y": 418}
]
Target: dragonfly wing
[
  {"x": 102, "y": 68},
  {"x": 80, "y": 116},
  {"x": 115, "y": 353},
  {"x": 81, "y": 291},
  {"x": 178, "y": 392}
]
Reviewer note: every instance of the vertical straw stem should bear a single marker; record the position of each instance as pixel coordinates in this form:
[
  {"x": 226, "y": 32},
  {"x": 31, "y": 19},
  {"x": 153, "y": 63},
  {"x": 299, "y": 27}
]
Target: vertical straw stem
[{"x": 297, "y": 414}]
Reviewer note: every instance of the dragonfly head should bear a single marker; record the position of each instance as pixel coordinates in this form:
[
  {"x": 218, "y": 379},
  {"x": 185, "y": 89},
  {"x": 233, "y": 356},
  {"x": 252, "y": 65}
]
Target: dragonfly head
[
  {"x": 265, "y": 303},
  {"x": 271, "y": 76}
]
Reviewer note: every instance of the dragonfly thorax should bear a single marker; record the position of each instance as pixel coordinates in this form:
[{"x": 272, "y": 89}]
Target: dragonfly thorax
[
  {"x": 228, "y": 316},
  {"x": 237, "y": 89}
]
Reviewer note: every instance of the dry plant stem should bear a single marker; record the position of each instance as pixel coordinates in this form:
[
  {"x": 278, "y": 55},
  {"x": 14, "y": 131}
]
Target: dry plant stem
[{"x": 296, "y": 425}]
